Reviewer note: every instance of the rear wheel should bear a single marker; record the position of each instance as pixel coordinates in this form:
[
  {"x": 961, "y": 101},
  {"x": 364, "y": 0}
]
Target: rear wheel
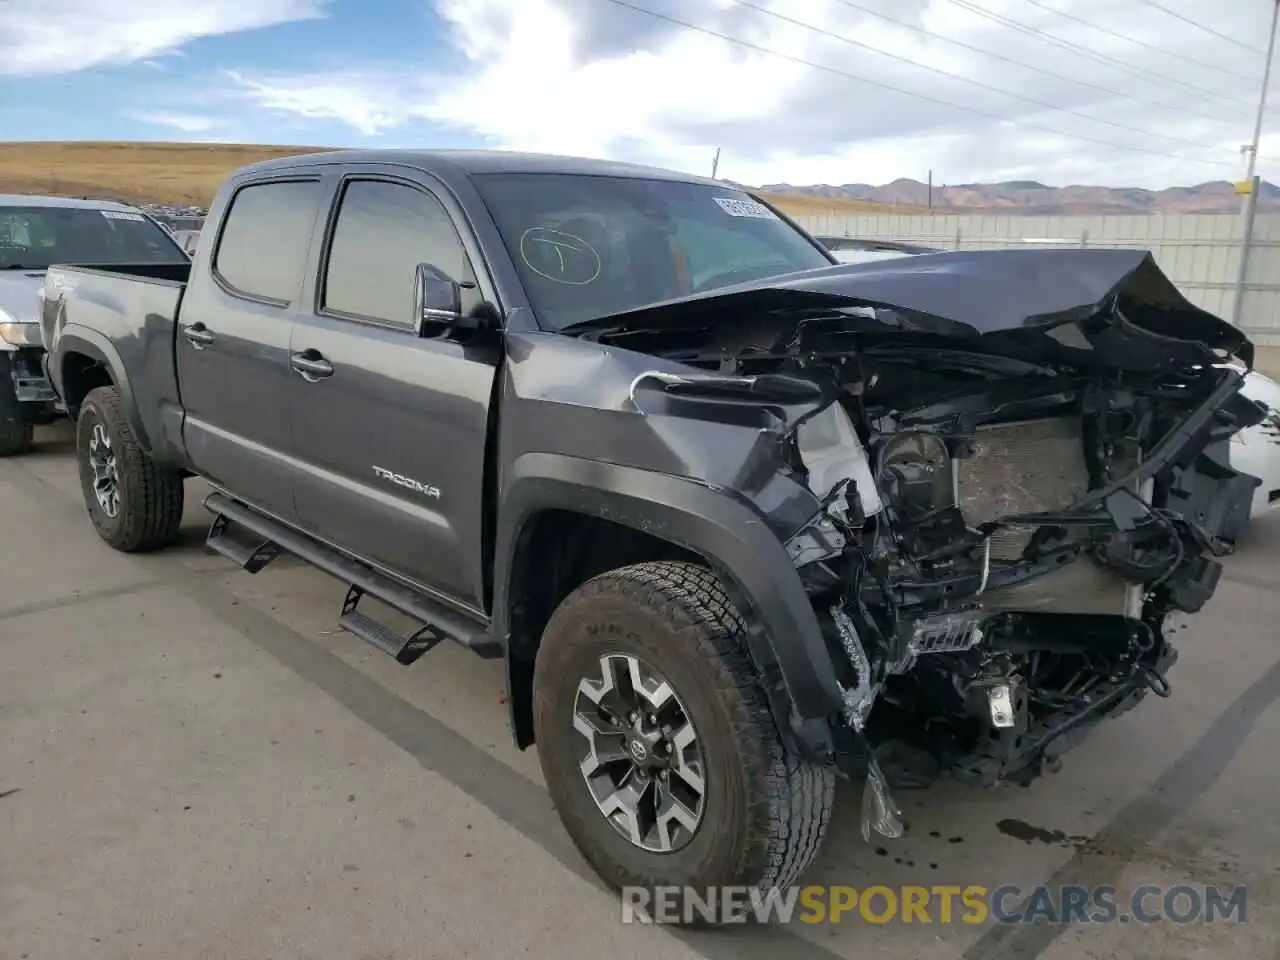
[
  {"x": 135, "y": 504},
  {"x": 16, "y": 439},
  {"x": 659, "y": 750}
]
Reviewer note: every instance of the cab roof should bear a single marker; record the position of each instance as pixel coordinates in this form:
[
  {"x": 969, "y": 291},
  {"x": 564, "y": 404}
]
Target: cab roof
[{"x": 449, "y": 164}]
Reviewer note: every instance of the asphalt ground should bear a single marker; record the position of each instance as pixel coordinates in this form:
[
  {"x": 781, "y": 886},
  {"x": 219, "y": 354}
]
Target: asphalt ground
[{"x": 196, "y": 763}]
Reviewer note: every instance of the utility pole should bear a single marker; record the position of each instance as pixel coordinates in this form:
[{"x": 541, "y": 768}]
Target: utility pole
[
  {"x": 1252, "y": 149},
  {"x": 931, "y": 178},
  {"x": 715, "y": 162}
]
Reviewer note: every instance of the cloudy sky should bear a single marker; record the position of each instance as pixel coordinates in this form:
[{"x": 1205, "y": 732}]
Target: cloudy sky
[{"x": 1121, "y": 92}]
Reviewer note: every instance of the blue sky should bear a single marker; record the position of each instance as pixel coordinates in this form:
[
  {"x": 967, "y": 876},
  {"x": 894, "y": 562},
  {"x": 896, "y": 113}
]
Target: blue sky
[
  {"x": 187, "y": 92},
  {"x": 804, "y": 91}
]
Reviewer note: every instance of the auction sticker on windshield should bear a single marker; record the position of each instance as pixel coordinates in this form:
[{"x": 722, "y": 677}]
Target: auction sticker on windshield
[
  {"x": 119, "y": 215},
  {"x": 745, "y": 208}
]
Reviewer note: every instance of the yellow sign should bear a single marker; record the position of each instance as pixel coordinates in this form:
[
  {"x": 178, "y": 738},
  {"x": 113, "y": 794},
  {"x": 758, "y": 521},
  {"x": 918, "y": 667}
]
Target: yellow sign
[
  {"x": 1244, "y": 187},
  {"x": 880, "y": 904}
]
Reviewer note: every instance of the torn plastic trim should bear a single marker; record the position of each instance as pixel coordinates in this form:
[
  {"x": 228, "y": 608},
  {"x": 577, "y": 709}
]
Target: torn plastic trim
[
  {"x": 858, "y": 699},
  {"x": 879, "y": 811}
]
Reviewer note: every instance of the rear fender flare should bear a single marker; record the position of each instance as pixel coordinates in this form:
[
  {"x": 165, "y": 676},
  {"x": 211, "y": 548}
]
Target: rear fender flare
[
  {"x": 90, "y": 343},
  {"x": 783, "y": 630}
]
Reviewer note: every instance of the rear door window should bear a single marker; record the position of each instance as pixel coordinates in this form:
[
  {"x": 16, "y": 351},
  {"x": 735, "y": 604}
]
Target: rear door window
[{"x": 263, "y": 245}]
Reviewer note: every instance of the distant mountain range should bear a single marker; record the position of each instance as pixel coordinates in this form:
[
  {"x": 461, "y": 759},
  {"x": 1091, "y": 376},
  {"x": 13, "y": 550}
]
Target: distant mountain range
[{"x": 1031, "y": 197}]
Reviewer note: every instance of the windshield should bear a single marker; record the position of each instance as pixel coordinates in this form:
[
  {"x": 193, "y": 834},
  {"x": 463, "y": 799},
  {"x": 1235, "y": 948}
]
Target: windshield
[
  {"x": 38, "y": 237},
  {"x": 589, "y": 247}
]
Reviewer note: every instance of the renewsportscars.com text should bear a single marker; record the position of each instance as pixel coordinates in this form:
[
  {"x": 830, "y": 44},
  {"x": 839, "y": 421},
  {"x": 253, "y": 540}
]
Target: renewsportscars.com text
[{"x": 938, "y": 903}]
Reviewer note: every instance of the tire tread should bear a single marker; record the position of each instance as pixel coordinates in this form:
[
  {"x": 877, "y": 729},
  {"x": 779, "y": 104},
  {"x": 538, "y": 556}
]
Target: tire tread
[
  {"x": 794, "y": 798},
  {"x": 16, "y": 439},
  {"x": 152, "y": 515}
]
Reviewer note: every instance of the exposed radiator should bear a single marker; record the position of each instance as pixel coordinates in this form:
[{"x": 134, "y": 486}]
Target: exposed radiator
[{"x": 1029, "y": 467}]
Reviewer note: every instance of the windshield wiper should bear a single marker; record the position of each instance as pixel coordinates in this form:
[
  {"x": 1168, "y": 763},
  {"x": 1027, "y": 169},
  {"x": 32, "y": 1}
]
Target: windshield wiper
[{"x": 25, "y": 266}]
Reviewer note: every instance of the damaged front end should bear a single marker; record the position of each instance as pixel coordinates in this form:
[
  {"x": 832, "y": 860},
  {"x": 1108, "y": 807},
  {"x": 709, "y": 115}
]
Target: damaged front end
[
  {"x": 1015, "y": 495},
  {"x": 1016, "y": 583}
]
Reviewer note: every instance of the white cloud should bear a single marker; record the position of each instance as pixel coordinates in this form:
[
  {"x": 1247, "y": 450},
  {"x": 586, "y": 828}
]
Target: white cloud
[
  {"x": 45, "y": 37},
  {"x": 185, "y": 122},
  {"x": 1166, "y": 103},
  {"x": 354, "y": 98}
]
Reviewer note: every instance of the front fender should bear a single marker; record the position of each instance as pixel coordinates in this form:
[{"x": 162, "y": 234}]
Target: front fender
[
  {"x": 77, "y": 339},
  {"x": 783, "y": 630}
]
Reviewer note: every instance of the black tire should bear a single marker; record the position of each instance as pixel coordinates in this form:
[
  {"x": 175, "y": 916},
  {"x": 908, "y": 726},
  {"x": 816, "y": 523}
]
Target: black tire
[
  {"x": 766, "y": 811},
  {"x": 16, "y": 439},
  {"x": 151, "y": 497}
]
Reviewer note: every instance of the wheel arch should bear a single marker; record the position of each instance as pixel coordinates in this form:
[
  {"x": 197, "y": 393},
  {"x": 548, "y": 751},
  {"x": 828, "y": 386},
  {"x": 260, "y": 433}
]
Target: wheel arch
[
  {"x": 553, "y": 504},
  {"x": 86, "y": 360}
]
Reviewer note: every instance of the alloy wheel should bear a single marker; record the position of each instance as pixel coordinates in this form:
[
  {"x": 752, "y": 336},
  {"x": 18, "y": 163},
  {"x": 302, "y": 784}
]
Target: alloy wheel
[
  {"x": 642, "y": 760},
  {"x": 106, "y": 478}
]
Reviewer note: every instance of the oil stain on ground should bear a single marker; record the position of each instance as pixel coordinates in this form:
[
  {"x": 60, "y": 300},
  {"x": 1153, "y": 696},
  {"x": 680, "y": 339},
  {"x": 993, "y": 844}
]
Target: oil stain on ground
[{"x": 1027, "y": 833}]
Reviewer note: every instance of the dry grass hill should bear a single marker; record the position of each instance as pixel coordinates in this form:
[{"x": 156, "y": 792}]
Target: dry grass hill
[
  {"x": 1032, "y": 197},
  {"x": 189, "y": 173}
]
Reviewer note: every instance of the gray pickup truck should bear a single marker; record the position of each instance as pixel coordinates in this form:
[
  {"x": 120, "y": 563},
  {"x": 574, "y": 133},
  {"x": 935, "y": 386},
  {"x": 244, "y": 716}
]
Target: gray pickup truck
[
  {"x": 35, "y": 232},
  {"x": 740, "y": 520}
]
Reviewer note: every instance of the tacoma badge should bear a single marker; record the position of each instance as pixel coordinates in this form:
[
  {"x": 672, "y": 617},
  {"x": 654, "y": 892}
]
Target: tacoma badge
[{"x": 423, "y": 488}]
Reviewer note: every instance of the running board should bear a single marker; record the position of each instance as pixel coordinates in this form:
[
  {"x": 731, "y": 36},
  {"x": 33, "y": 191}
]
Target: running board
[{"x": 274, "y": 538}]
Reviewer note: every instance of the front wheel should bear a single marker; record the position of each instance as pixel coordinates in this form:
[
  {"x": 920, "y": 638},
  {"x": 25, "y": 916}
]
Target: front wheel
[
  {"x": 135, "y": 504},
  {"x": 657, "y": 744}
]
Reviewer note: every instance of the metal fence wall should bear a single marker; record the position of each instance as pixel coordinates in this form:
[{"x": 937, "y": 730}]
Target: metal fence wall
[{"x": 1200, "y": 253}]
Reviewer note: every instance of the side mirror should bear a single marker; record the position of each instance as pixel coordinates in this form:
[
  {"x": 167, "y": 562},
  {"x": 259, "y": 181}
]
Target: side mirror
[{"x": 437, "y": 300}]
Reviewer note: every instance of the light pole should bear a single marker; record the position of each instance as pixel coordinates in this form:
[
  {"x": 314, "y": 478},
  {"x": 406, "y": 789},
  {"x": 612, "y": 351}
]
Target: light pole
[{"x": 1252, "y": 149}]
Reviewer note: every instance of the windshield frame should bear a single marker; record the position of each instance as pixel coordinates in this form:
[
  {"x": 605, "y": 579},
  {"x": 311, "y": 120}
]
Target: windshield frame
[
  {"x": 53, "y": 209},
  {"x": 492, "y": 203}
]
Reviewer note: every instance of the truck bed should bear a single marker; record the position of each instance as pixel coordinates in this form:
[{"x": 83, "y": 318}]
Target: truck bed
[
  {"x": 107, "y": 296},
  {"x": 125, "y": 316}
]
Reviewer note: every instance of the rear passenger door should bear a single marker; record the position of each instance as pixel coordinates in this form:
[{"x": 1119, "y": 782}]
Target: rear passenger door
[
  {"x": 391, "y": 435},
  {"x": 233, "y": 340}
]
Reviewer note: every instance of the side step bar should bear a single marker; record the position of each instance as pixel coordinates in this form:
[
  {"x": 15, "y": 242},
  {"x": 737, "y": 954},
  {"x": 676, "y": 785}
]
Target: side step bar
[
  {"x": 270, "y": 538},
  {"x": 404, "y": 650}
]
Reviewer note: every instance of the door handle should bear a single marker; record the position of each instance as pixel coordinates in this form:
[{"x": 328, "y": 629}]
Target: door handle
[
  {"x": 198, "y": 335},
  {"x": 311, "y": 365}
]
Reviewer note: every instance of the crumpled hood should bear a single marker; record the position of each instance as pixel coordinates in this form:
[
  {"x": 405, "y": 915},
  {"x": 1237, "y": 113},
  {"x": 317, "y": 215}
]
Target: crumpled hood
[
  {"x": 20, "y": 295},
  {"x": 972, "y": 293}
]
